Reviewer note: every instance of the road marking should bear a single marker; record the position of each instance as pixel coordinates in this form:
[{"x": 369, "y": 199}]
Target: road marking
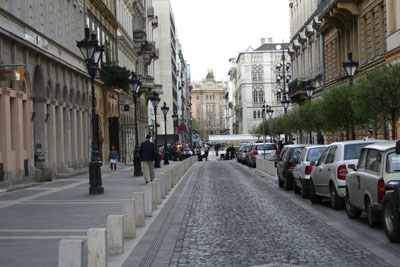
[
  {"x": 42, "y": 230},
  {"x": 43, "y": 237}
]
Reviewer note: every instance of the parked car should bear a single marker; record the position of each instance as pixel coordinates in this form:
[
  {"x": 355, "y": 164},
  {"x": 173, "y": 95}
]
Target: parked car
[
  {"x": 303, "y": 169},
  {"x": 244, "y": 152},
  {"x": 328, "y": 179},
  {"x": 257, "y": 151},
  {"x": 391, "y": 209},
  {"x": 287, "y": 163},
  {"x": 239, "y": 152},
  {"x": 365, "y": 185},
  {"x": 248, "y": 154}
]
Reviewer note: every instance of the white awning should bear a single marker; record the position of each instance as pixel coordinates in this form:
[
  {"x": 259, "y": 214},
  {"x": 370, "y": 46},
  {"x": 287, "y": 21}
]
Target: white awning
[{"x": 236, "y": 138}]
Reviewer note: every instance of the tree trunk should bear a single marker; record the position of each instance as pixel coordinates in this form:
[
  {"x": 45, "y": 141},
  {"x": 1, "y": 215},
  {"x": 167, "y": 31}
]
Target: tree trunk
[{"x": 393, "y": 115}]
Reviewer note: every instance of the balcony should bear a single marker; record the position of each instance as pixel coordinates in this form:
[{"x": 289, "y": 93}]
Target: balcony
[
  {"x": 337, "y": 12},
  {"x": 150, "y": 12},
  {"x": 139, "y": 37},
  {"x": 147, "y": 84},
  {"x": 297, "y": 92}
]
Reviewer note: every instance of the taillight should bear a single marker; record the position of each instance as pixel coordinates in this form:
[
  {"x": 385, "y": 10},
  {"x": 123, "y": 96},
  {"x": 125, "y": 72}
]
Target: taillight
[
  {"x": 342, "y": 172},
  {"x": 255, "y": 152},
  {"x": 381, "y": 190},
  {"x": 309, "y": 169},
  {"x": 291, "y": 168}
]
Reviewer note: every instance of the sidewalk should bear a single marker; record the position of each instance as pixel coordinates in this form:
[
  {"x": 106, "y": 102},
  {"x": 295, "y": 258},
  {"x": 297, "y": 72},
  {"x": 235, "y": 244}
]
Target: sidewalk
[{"x": 35, "y": 219}]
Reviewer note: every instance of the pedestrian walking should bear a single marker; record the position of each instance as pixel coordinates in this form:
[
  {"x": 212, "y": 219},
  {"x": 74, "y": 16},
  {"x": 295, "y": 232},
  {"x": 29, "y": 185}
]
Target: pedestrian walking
[
  {"x": 148, "y": 155},
  {"x": 369, "y": 136},
  {"x": 113, "y": 158},
  {"x": 216, "y": 147}
]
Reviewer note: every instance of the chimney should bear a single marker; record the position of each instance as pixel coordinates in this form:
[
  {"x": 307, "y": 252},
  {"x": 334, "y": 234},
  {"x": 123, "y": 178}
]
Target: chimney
[
  {"x": 262, "y": 41},
  {"x": 270, "y": 40}
]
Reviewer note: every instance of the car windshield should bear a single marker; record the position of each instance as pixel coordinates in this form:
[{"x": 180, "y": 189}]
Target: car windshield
[
  {"x": 353, "y": 151},
  {"x": 315, "y": 153},
  {"x": 267, "y": 147},
  {"x": 393, "y": 162}
]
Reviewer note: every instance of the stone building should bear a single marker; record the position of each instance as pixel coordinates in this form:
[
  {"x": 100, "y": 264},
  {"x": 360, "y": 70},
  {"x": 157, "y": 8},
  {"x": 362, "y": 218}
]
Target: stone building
[
  {"x": 393, "y": 30},
  {"x": 44, "y": 120},
  {"x": 208, "y": 105},
  {"x": 254, "y": 78},
  {"x": 305, "y": 50}
]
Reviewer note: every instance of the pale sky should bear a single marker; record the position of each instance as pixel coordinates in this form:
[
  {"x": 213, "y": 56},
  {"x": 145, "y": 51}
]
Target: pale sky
[{"x": 213, "y": 31}]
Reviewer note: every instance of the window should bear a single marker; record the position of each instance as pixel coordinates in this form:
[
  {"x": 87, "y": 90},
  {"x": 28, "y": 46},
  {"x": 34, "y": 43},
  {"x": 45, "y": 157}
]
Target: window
[
  {"x": 315, "y": 153},
  {"x": 198, "y": 97},
  {"x": 259, "y": 114},
  {"x": 254, "y": 73},
  {"x": 213, "y": 97},
  {"x": 261, "y": 96},
  {"x": 353, "y": 151},
  {"x": 373, "y": 162},
  {"x": 257, "y": 73},
  {"x": 393, "y": 162},
  {"x": 331, "y": 155},
  {"x": 255, "y": 96},
  {"x": 323, "y": 156},
  {"x": 363, "y": 158},
  {"x": 255, "y": 114},
  {"x": 206, "y": 97}
]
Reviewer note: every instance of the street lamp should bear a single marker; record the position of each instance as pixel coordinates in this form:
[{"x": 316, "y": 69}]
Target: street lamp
[
  {"x": 164, "y": 110},
  {"x": 310, "y": 90},
  {"x": 350, "y": 66},
  {"x": 134, "y": 85},
  {"x": 155, "y": 100},
  {"x": 91, "y": 52},
  {"x": 270, "y": 113},
  {"x": 264, "y": 107},
  {"x": 175, "y": 119}
]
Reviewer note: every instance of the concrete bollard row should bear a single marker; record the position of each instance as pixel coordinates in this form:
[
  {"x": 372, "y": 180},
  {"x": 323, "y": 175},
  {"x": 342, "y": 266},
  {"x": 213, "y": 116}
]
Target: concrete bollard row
[
  {"x": 100, "y": 241},
  {"x": 266, "y": 166}
]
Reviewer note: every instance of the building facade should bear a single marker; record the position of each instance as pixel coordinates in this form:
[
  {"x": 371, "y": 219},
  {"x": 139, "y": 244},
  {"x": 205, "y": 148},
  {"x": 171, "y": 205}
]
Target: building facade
[
  {"x": 255, "y": 84},
  {"x": 45, "y": 119},
  {"x": 208, "y": 105}
]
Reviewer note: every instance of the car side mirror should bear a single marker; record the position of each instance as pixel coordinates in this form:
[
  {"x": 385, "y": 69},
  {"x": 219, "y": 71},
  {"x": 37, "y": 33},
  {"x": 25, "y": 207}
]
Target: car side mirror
[
  {"x": 313, "y": 163},
  {"x": 353, "y": 167},
  {"x": 294, "y": 161}
]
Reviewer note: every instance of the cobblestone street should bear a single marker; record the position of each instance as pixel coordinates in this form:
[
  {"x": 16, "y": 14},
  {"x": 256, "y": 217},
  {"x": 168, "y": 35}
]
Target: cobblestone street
[{"x": 237, "y": 217}]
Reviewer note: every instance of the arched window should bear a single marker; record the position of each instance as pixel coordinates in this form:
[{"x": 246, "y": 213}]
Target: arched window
[
  {"x": 255, "y": 114},
  {"x": 261, "y": 96},
  {"x": 260, "y": 73},
  {"x": 254, "y": 73},
  {"x": 259, "y": 114}
]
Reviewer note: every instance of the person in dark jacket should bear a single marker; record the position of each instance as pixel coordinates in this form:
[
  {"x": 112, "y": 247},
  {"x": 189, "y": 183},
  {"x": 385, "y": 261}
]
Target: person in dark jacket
[
  {"x": 148, "y": 155},
  {"x": 113, "y": 157}
]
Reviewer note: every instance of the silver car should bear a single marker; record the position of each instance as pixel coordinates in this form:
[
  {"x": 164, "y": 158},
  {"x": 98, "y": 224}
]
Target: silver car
[
  {"x": 303, "y": 169},
  {"x": 257, "y": 151},
  {"x": 365, "y": 185},
  {"x": 328, "y": 179}
]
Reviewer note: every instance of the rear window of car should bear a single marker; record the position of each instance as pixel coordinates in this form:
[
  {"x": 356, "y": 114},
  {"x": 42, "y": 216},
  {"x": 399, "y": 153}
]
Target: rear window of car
[
  {"x": 296, "y": 152},
  {"x": 393, "y": 162},
  {"x": 267, "y": 147},
  {"x": 315, "y": 153},
  {"x": 353, "y": 151}
]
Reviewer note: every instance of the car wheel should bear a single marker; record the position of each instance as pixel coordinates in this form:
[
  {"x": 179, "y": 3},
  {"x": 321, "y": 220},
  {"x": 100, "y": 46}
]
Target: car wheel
[
  {"x": 296, "y": 188},
  {"x": 280, "y": 182},
  {"x": 313, "y": 196},
  {"x": 337, "y": 202},
  {"x": 373, "y": 218},
  {"x": 247, "y": 162},
  {"x": 351, "y": 211},
  {"x": 391, "y": 219},
  {"x": 304, "y": 192}
]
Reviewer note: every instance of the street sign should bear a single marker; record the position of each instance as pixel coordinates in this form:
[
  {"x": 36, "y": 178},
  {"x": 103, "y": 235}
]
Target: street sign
[{"x": 196, "y": 137}]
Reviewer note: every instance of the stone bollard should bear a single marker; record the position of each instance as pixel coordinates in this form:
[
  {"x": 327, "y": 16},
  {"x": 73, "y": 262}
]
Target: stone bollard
[
  {"x": 158, "y": 185},
  {"x": 148, "y": 200},
  {"x": 97, "y": 247},
  {"x": 115, "y": 230},
  {"x": 128, "y": 211},
  {"x": 154, "y": 186},
  {"x": 162, "y": 188},
  {"x": 171, "y": 181},
  {"x": 70, "y": 253},
  {"x": 166, "y": 184},
  {"x": 139, "y": 208}
]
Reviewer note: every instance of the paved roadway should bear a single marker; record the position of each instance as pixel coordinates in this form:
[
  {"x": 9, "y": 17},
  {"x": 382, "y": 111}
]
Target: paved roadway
[
  {"x": 221, "y": 213},
  {"x": 226, "y": 214}
]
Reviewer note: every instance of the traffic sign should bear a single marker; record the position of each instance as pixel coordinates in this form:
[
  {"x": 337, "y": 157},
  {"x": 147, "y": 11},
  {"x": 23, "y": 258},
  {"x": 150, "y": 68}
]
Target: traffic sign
[{"x": 196, "y": 137}]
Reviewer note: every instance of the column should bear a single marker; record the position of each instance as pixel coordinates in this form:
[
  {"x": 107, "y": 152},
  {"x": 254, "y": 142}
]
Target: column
[
  {"x": 80, "y": 138},
  {"x": 60, "y": 138},
  {"x": 5, "y": 132},
  {"x": 74, "y": 138},
  {"x": 67, "y": 137},
  {"x": 52, "y": 137},
  {"x": 40, "y": 145}
]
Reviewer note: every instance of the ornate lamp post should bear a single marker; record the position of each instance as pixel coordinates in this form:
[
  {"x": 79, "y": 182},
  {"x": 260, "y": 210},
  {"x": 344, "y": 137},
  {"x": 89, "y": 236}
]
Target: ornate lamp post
[
  {"x": 92, "y": 52},
  {"x": 351, "y": 67},
  {"x": 264, "y": 107},
  {"x": 270, "y": 113},
  {"x": 134, "y": 85},
  {"x": 283, "y": 75},
  {"x": 164, "y": 110},
  {"x": 175, "y": 118},
  {"x": 155, "y": 100}
]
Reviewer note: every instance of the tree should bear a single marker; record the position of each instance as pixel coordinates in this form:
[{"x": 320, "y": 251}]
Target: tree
[
  {"x": 378, "y": 95},
  {"x": 115, "y": 76},
  {"x": 195, "y": 125}
]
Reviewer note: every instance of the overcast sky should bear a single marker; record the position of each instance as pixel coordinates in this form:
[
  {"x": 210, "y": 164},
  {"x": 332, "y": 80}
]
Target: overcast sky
[{"x": 212, "y": 31}]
